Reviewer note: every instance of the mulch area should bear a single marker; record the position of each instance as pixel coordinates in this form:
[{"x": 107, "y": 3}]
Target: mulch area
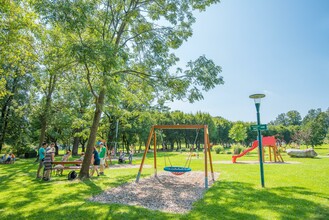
[{"x": 166, "y": 192}]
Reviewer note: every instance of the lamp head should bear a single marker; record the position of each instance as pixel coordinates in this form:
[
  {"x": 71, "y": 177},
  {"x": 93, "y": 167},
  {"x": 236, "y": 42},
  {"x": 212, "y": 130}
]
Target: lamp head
[{"x": 257, "y": 97}]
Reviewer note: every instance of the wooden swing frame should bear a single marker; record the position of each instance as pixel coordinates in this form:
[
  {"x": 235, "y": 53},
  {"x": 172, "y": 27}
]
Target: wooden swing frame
[{"x": 207, "y": 152}]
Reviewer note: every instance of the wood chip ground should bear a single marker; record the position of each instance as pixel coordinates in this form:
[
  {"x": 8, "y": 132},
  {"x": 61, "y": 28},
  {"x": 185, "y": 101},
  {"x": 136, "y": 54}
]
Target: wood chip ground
[{"x": 166, "y": 192}]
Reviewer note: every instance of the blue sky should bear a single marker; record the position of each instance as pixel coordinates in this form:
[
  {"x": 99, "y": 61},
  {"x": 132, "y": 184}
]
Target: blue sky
[{"x": 276, "y": 47}]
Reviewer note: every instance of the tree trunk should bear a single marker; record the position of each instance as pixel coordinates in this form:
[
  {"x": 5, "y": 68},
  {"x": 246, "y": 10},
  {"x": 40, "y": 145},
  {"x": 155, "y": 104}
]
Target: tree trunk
[
  {"x": 56, "y": 149},
  {"x": 140, "y": 148},
  {"x": 83, "y": 143},
  {"x": 47, "y": 107},
  {"x": 5, "y": 113},
  {"x": 43, "y": 128},
  {"x": 76, "y": 142},
  {"x": 172, "y": 145},
  {"x": 4, "y": 120},
  {"x": 84, "y": 172}
]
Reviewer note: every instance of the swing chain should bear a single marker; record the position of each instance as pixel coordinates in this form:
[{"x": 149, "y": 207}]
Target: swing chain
[{"x": 164, "y": 149}]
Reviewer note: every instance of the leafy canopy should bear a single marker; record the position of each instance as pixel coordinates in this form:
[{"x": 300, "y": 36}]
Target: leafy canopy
[{"x": 117, "y": 40}]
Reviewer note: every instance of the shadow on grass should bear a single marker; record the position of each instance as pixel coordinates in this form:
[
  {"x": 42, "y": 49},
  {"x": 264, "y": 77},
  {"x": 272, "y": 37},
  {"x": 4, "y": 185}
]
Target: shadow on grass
[
  {"x": 234, "y": 200},
  {"x": 61, "y": 199}
]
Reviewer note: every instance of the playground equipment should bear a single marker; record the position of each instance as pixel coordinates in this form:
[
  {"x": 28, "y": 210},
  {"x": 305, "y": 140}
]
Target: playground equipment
[
  {"x": 176, "y": 169},
  {"x": 270, "y": 143}
]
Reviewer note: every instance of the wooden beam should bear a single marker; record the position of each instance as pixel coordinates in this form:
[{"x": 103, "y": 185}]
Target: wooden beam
[
  {"x": 144, "y": 155},
  {"x": 179, "y": 126}
]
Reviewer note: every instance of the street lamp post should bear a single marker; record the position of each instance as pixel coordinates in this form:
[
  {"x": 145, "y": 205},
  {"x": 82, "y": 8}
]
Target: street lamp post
[{"x": 257, "y": 98}]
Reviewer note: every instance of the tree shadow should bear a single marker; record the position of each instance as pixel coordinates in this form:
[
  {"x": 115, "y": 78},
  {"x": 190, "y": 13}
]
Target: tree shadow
[
  {"x": 35, "y": 199},
  {"x": 235, "y": 200}
]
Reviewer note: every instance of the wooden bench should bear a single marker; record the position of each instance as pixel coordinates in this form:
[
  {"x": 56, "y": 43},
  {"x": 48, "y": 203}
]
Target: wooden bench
[
  {"x": 66, "y": 162},
  {"x": 63, "y": 163}
]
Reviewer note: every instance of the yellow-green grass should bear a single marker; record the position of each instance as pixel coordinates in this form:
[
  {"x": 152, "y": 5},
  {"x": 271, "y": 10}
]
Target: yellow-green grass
[{"x": 293, "y": 191}]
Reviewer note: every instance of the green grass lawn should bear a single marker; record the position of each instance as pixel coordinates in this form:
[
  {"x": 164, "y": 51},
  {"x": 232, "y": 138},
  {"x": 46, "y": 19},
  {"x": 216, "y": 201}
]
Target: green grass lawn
[{"x": 293, "y": 191}]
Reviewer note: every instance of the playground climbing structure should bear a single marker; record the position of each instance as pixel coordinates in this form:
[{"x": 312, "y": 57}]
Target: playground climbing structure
[{"x": 267, "y": 142}]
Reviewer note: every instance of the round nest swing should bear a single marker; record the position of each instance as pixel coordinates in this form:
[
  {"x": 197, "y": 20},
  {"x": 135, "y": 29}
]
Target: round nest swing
[{"x": 177, "y": 170}]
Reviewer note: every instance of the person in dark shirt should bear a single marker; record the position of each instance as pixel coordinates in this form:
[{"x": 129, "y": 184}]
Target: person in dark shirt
[{"x": 95, "y": 161}]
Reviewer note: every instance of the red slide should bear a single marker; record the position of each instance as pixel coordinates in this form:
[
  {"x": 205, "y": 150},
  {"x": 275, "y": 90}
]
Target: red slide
[{"x": 266, "y": 141}]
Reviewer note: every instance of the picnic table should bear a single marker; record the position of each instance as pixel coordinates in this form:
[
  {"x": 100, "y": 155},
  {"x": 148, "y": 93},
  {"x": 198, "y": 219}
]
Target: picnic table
[{"x": 75, "y": 164}]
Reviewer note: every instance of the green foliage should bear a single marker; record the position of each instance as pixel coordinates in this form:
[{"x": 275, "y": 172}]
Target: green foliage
[
  {"x": 237, "y": 148},
  {"x": 57, "y": 57},
  {"x": 294, "y": 117},
  {"x": 286, "y": 187},
  {"x": 223, "y": 127},
  {"x": 17, "y": 62},
  {"x": 316, "y": 128},
  {"x": 326, "y": 140},
  {"x": 290, "y": 118},
  {"x": 238, "y": 132},
  {"x": 219, "y": 149},
  {"x": 122, "y": 46}
]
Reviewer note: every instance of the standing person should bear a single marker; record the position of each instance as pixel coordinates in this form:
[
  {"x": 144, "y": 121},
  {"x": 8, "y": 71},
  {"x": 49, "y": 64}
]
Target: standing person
[
  {"x": 95, "y": 161},
  {"x": 42, "y": 154},
  {"x": 109, "y": 155},
  {"x": 49, "y": 158},
  {"x": 102, "y": 156}
]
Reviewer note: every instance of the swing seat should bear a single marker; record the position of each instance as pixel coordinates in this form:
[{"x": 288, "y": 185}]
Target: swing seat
[{"x": 177, "y": 170}]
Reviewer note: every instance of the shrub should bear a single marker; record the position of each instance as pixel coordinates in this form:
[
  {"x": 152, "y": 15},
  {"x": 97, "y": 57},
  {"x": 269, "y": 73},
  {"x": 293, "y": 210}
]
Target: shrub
[
  {"x": 218, "y": 149},
  {"x": 31, "y": 153},
  {"x": 237, "y": 148}
]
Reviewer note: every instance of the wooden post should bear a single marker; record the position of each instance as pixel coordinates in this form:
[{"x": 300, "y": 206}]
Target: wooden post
[
  {"x": 206, "y": 148},
  {"x": 155, "y": 153},
  {"x": 205, "y": 158},
  {"x": 275, "y": 155},
  {"x": 279, "y": 156},
  {"x": 210, "y": 158},
  {"x": 144, "y": 155}
]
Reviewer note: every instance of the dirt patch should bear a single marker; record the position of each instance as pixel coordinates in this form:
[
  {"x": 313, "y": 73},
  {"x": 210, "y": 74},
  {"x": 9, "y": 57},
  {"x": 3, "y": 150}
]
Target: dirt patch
[{"x": 166, "y": 192}]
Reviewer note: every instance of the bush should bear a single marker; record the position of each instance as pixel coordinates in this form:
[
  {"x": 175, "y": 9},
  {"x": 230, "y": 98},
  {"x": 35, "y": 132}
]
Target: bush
[
  {"x": 237, "y": 148},
  {"x": 218, "y": 149},
  {"x": 31, "y": 153},
  {"x": 24, "y": 149},
  {"x": 5, "y": 149}
]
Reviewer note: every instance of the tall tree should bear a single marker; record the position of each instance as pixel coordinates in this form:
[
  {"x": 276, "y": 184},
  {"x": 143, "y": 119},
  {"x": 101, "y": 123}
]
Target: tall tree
[
  {"x": 311, "y": 115},
  {"x": 223, "y": 129},
  {"x": 53, "y": 62},
  {"x": 238, "y": 132},
  {"x": 317, "y": 128},
  {"x": 294, "y": 117},
  {"x": 114, "y": 40},
  {"x": 17, "y": 61},
  {"x": 281, "y": 119}
]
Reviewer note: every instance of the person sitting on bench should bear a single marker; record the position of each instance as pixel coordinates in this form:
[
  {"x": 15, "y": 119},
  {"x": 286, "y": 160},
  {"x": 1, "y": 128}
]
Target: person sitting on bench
[
  {"x": 8, "y": 160},
  {"x": 82, "y": 156},
  {"x": 121, "y": 157},
  {"x": 66, "y": 156}
]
